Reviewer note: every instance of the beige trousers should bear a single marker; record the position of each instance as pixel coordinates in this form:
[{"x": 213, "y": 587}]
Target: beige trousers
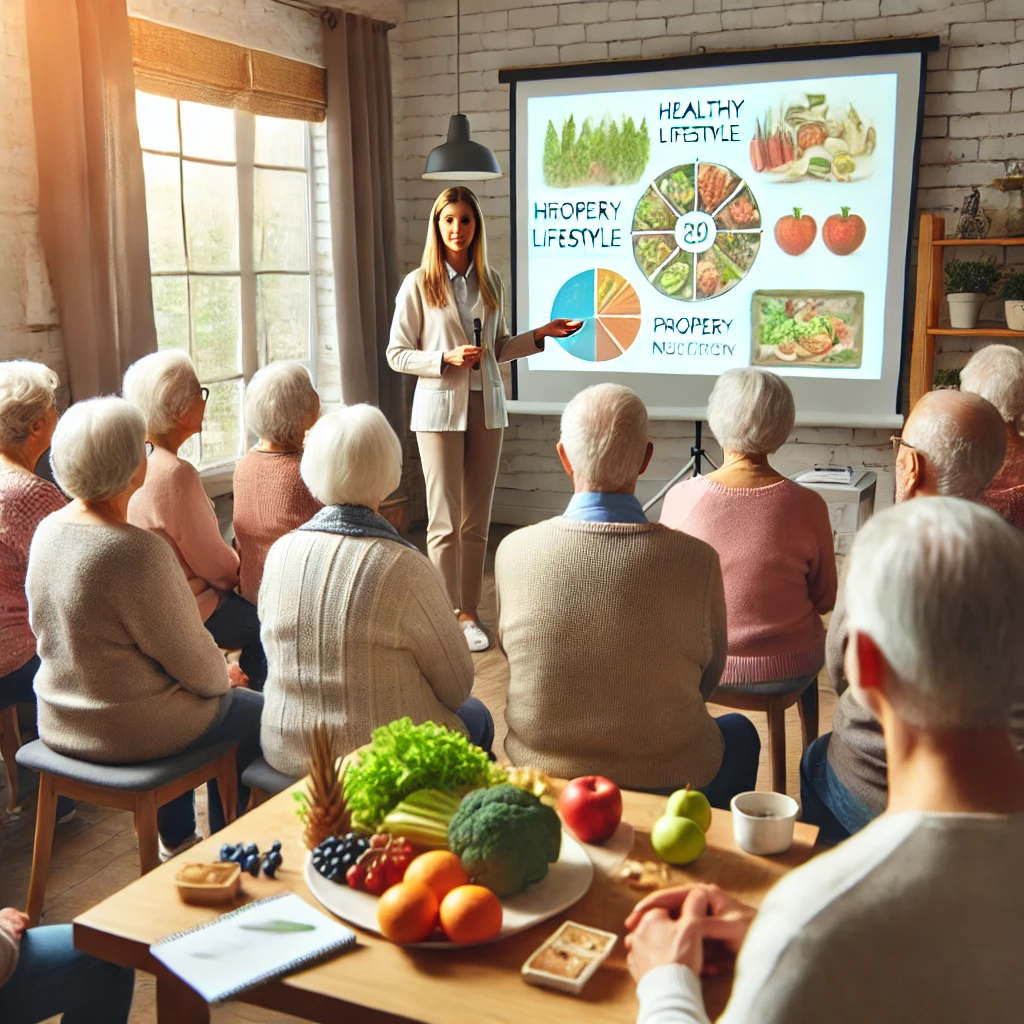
[{"x": 460, "y": 469}]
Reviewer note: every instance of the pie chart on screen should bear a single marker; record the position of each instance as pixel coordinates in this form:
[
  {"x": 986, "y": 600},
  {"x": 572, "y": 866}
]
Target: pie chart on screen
[{"x": 609, "y": 307}]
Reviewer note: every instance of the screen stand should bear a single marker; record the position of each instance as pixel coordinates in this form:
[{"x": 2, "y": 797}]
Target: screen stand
[{"x": 692, "y": 468}]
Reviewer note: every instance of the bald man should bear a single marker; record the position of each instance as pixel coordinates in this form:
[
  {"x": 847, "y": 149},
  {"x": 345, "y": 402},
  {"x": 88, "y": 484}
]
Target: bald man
[{"x": 952, "y": 445}]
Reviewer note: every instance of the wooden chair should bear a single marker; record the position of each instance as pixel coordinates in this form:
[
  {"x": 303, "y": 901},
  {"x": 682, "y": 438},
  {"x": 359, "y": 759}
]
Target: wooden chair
[
  {"x": 773, "y": 699},
  {"x": 264, "y": 781},
  {"x": 10, "y": 741},
  {"x": 140, "y": 788}
]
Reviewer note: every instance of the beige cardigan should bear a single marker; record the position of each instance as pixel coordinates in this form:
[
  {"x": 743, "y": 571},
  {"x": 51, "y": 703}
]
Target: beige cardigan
[
  {"x": 358, "y": 632},
  {"x": 615, "y": 635},
  {"x": 421, "y": 333}
]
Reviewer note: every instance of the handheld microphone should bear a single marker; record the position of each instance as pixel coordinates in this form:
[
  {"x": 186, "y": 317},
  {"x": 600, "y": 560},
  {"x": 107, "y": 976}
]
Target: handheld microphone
[{"x": 477, "y": 331}]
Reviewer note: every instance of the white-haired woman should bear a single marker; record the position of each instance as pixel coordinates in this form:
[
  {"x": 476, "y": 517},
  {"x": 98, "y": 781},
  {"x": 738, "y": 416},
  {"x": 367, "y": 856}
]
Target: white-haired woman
[
  {"x": 458, "y": 410},
  {"x": 357, "y": 626},
  {"x": 271, "y": 499},
  {"x": 172, "y": 503},
  {"x": 996, "y": 373},
  {"x": 28, "y": 415},
  {"x": 127, "y": 672},
  {"x": 773, "y": 537}
]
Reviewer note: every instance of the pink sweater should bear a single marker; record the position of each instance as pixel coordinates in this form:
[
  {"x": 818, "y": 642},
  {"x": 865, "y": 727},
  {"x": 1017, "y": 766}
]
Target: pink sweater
[
  {"x": 779, "y": 569},
  {"x": 25, "y": 501},
  {"x": 173, "y": 504},
  {"x": 270, "y": 501}
]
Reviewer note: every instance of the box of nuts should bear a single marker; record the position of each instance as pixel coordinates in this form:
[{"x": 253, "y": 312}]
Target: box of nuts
[{"x": 568, "y": 959}]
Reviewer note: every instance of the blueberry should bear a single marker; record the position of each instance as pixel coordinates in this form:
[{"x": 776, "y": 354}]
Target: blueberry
[
  {"x": 275, "y": 846},
  {"x": 239, "y": 855},
  {"x": 347, "y": 860},
  {"x": 275, "y": 856},
  {"x": 252, "y": 865},
  {"x": 227, "y": 851},
  {"x": 252, "y": 850},
  {"x": 349, "y": 836},
  {"x": 269, "y": 867}
]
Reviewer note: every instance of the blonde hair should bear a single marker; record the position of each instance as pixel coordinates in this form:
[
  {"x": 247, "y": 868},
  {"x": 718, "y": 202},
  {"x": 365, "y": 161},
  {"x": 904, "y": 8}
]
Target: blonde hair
[{"x": 436, "y": 283}]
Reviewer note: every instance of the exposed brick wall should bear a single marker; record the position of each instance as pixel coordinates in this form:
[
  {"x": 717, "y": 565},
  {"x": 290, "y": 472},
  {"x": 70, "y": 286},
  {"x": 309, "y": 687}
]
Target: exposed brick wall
[
  {"x": 28, "y": 316},
  {"x": 975, "y": 122}
]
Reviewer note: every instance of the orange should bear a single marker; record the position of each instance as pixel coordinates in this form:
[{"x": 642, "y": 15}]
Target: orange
[
  {"x": 471, "y": 913},
  {"x": 439, "y": 870},
  {"x": 407, "y": 912}
]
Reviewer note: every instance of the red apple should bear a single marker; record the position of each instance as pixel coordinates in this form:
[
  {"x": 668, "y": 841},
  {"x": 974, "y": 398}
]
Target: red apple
[
  {"x": 843, "y": 232},
  {"x": 794, "y": 234},
  {"x": 592, "y": 807}
]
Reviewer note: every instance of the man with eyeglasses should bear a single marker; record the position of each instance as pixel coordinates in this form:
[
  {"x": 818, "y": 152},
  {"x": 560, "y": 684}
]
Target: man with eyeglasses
[{"x": 952, "y": 445}]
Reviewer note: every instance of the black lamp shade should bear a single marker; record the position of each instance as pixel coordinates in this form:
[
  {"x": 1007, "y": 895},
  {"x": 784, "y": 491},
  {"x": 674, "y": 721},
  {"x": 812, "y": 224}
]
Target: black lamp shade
[{"x": 461, "y": 159}]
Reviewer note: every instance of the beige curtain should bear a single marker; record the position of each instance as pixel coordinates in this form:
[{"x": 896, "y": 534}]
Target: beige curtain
[
  {"x": 359, "y": 152},
  {"x": 92, "y": 197}
]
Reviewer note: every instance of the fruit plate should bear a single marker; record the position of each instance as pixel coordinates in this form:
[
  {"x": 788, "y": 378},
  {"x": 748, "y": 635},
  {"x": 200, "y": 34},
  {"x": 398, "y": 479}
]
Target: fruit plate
[{"x": 567, "y": 881}]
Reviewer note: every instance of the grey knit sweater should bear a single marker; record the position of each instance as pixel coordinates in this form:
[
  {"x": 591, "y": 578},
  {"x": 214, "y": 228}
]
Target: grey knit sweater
[
  {"x": 129, "y": 672},
  {"x": 615, "y": 635},
  {"x": 358, "y": 632}
]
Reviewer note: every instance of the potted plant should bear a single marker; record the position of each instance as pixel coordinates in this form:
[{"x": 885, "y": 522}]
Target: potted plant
[
  {"x": 968, "y": 284},
  {"x": 1012, "y": 293}
]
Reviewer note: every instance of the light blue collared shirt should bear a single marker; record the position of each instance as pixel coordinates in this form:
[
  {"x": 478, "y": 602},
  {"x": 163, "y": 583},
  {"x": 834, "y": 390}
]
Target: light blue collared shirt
[
  {"x": 466, "y": 288},
  {"x": 595, "y": 507}
]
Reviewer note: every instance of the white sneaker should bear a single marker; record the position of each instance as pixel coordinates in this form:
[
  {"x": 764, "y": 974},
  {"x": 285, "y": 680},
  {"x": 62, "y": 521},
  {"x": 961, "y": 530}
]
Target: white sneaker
[
  {"x": 477, "y": 639},
  {"x": 166, "y": 852}
]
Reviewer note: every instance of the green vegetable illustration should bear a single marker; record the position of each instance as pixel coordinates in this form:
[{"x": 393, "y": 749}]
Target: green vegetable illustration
[
  {"x": 673, "y": 277},
  {"x": 603, "y": 153}
]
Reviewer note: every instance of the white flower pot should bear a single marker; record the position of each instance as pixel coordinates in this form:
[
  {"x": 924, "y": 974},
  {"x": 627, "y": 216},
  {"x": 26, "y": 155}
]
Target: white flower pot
[
  {"x": 1015, "y": 314},
  {"x": 964, "y": 308}
]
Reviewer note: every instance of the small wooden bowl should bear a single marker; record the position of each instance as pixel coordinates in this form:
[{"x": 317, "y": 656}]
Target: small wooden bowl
[{"x": 208, "y": 885}]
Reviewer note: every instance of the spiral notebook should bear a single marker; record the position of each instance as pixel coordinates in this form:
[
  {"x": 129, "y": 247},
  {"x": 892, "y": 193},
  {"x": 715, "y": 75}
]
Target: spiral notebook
[{"x": 257, "y": 943}]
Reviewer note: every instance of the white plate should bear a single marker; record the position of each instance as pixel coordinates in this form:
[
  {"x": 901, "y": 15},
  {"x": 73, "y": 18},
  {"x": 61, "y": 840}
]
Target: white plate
[{"x": 567, "y": 881}]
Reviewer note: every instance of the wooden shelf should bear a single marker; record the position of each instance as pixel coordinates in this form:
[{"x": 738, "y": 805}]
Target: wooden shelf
[
  {"x": 978, "y": 241},
  {"x": 977, "y": 332}
]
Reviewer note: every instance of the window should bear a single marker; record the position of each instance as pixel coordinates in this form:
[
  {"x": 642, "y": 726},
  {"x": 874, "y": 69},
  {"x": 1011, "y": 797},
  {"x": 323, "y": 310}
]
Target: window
[{"x": 228, "y": 200}]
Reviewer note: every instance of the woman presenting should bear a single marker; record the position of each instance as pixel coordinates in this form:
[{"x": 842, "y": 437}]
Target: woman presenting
[{"x": 458, "y": 410}]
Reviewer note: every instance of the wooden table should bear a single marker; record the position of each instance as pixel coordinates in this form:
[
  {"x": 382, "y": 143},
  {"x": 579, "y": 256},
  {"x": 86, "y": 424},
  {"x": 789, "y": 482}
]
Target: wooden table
[{"x": 378, "y": 981}]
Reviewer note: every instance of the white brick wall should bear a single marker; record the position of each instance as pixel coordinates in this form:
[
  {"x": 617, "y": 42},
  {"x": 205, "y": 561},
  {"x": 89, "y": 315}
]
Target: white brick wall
[
  {"x": 975, "y": 122},
  {"x": 28, "y": 316}
]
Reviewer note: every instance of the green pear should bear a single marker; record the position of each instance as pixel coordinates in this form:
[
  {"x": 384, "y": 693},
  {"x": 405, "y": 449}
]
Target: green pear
[
  {"x": 692, "y": 804},
  {"x": 677, "y": 840}
]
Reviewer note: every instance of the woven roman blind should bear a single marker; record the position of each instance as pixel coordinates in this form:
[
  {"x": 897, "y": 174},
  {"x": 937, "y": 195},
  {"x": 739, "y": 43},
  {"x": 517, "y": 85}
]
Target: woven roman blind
[{"x": 185, "y": 66}]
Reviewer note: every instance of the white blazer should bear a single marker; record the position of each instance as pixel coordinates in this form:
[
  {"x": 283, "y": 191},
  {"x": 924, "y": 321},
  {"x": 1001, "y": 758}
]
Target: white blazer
[{"x": 421, "y": 333}]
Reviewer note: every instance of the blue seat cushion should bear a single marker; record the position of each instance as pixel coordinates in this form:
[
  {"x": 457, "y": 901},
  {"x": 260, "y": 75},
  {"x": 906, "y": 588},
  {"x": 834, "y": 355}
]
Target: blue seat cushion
[
  {"x": 133, "y": 778},
  {"x": 776, "y": 688},
  {"x": 260, "y": 775}
]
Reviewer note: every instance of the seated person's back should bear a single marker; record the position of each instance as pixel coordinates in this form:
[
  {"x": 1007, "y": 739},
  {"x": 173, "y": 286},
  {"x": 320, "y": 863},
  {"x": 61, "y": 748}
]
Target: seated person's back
[
  {"x": 357, "y": 628},
  {"x": 615, "y": 634}
]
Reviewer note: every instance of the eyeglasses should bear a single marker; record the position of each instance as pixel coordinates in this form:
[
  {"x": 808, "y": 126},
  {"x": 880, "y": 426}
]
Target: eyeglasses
[
  {"x": 149, "y": 449},
  {"x": 204, "y": 393},
  {"x": 896, "y": 442}
]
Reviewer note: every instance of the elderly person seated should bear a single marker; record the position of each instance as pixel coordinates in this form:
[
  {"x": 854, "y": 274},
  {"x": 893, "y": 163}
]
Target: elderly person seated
[
  {"x": 921, "y": 916},
  {"x": 996, "y": 373},
  {"x": 357, "y": 626},
  {"x": 172, "y": 503},
  {"x": 270, "y": 498},
  {"x": 952, "y": 444},
  {"x": 614, "y": 627},
  {"x": 773, "y": 536},
  {"x": 127, "y": 672},
  {"x": 43, "y": 975},
  {"x": 28, "y": 414}
]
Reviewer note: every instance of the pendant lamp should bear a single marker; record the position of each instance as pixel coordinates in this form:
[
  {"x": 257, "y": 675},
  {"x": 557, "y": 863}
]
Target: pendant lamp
[{"x": 460, "y": 158}]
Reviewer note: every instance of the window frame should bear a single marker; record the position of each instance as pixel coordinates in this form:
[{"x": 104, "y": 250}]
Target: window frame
[{"x": 217, "y": 473}]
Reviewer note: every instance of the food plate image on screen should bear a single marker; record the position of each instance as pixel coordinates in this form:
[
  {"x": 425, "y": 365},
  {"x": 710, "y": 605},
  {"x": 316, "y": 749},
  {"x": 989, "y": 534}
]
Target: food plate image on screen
[
  {"x": 609, "y": 308},
  {"x": 705, "y": 213}
]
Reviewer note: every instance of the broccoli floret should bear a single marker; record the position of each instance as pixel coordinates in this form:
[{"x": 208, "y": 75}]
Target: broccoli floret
[{"x": 506, "y": 838}]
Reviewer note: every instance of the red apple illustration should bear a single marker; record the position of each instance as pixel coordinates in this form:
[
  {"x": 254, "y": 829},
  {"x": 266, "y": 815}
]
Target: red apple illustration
[
  {"x": 843, "y": 232},
  {"x": 794, "y": 234}
]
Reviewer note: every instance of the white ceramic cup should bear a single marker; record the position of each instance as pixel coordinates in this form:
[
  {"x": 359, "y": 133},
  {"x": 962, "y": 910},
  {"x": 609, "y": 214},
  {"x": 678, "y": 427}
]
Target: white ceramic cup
[{"x": 763, "y": 822}]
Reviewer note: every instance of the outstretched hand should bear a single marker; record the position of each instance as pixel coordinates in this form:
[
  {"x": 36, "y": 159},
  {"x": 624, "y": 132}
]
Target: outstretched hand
[{"x": 557, "y": 329}]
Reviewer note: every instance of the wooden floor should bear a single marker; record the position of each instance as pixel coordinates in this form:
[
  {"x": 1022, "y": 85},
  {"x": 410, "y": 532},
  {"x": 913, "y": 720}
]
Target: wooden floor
[{"x": 96, "y": 854}]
